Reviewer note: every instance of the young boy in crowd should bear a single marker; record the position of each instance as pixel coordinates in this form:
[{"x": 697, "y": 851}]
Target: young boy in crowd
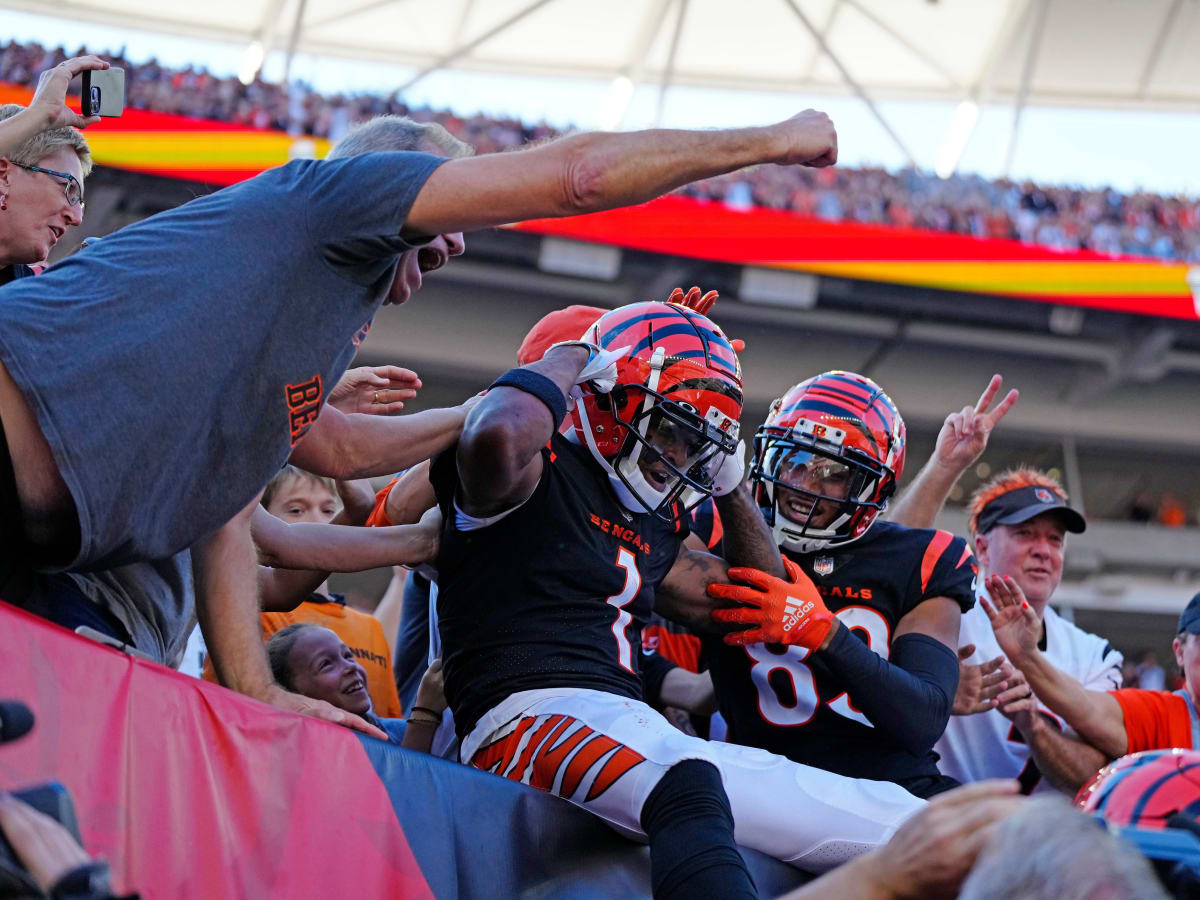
[{"x": 296, "y": 496}]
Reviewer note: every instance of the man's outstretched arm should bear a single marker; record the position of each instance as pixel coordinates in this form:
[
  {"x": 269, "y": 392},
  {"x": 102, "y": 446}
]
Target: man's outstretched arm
[
  {"x": 364, "y": 446},
  {"x": 589, "y": 172}
]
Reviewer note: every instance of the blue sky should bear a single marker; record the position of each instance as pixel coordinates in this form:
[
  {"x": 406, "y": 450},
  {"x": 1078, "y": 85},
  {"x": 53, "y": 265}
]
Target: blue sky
[{"x": 1124, "y": 148}]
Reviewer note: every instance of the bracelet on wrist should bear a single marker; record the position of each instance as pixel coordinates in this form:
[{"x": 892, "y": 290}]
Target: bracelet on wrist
[{"x": 425, "y": 709}]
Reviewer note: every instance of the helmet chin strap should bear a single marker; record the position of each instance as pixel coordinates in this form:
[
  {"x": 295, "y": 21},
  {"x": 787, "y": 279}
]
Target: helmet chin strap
[
  {"x": 626, "y": 498},
  {"x": 634, "y": 485}
]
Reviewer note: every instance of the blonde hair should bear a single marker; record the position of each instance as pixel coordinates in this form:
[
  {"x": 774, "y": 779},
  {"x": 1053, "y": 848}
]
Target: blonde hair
[
  {"x": 289, "y": 472},
  {"x": 32, "y": 151},
  {"x": 384, "y": 133},
  {"x": 1006, "y": 481}
]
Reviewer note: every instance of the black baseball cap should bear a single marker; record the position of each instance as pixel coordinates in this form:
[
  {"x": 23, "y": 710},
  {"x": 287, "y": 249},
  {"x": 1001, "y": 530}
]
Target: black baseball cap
[
  {"x": 1189, "y": 619},
  {"x": 1022, "y": 504}
]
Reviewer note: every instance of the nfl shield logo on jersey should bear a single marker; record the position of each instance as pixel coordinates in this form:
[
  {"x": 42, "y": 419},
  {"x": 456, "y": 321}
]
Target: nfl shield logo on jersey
[{"x": 823, "y": 565}]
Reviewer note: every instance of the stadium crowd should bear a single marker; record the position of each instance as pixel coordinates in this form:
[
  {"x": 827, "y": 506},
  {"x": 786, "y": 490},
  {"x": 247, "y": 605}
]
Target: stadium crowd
[
  {"x": 887, "y": 690},
  {"x": 1056, "y": 216}
]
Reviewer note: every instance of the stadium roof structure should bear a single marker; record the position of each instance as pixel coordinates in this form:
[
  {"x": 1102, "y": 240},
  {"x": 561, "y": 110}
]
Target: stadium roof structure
[{"x": 1105, "y": 53}]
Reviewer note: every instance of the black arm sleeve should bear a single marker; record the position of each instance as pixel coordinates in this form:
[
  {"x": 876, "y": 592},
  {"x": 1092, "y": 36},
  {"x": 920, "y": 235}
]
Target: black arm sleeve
[
  {"x": 654, "y": 671},
  {"x": 909, "y": 697}
]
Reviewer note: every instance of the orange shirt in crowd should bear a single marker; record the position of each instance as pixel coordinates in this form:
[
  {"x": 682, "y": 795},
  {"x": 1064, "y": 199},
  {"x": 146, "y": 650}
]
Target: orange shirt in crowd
[
  {"x": 1154, "y": 720},
  {"x": 360, "y": 632}
]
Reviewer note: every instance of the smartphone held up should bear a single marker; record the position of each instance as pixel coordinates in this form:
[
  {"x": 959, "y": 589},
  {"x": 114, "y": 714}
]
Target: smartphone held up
[{"x": 103, "y": 92}]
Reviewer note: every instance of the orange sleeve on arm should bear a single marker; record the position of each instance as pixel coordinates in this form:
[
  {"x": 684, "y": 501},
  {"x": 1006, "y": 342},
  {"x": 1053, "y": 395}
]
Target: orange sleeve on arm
[
  {"x": 1154, "y": 720},
  {"x": 379, "y": 517}
]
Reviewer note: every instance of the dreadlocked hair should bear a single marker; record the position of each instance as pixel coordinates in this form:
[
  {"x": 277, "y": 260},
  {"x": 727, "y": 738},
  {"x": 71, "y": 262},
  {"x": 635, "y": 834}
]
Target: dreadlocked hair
[{"x": 1009, "y": 480}]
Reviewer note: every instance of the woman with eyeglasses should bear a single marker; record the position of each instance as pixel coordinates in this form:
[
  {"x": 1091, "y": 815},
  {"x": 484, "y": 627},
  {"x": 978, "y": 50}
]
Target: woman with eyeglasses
[{"x": 43, "y": 162}]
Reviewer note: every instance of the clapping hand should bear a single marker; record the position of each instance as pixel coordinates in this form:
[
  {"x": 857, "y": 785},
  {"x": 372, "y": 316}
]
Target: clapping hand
[
  {"x": 979, "y": 685},
  {"x": 1016, "y": 625}
]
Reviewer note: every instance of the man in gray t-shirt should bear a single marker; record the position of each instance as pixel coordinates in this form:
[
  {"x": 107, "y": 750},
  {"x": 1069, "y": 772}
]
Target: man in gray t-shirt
[{"x": 205, "y": 340}]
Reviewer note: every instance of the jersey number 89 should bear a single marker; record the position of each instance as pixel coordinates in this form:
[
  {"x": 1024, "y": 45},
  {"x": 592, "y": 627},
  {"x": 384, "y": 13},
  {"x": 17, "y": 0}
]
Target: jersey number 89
[{"x": 804, "y": 684}]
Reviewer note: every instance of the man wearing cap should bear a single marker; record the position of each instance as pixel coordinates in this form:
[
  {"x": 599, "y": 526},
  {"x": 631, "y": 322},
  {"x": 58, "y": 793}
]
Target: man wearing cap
[
  {"x": 1019, "y": 521},
  {"x": 1115, "y": 722}
]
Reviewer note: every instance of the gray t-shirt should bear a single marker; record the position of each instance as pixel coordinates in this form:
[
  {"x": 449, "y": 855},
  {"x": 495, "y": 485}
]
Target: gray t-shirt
[
  {"x": 173, "y": 365},
  {"x": 155, "y": 602}
]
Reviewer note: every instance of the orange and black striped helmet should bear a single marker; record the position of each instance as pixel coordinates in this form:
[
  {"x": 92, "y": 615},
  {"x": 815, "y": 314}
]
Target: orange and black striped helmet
[
  {"x": 836, "y": 443},
  {"x": 1145, "y": 789},
  {"x": 1152, "y": 800},
  {"x": 672, "y": 418}
]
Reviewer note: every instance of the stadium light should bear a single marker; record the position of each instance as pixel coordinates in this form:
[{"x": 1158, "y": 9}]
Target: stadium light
[
  {"x": 957, "y": 135},
  {"x": 252, "y": 61}
]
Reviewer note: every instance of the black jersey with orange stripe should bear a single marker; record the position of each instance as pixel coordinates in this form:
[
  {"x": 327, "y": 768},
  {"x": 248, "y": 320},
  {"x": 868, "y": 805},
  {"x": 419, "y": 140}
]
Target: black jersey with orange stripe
[
  {"x": 787, "y": 701},
  {"x": 553, "y": 594},
  {"x": 706, "y": 525}
]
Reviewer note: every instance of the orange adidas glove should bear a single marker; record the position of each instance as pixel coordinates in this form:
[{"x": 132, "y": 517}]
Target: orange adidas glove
[{"x": 785, "y": 612}]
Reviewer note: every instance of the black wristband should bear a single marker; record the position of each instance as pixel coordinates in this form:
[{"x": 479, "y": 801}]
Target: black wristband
[{"x": 539, "y": 386}]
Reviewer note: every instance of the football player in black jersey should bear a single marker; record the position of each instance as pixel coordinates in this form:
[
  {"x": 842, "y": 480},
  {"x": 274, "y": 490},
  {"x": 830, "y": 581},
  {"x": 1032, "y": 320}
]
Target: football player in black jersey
[
  {"x": 554, "y": 551},
  {"x": 867, "y": 688}
]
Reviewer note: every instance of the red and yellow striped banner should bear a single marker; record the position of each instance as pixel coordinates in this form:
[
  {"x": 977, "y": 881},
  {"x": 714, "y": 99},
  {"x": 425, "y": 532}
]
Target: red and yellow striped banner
[
  {"x": 181, "y": 147},
  {"x": 680, "y": 226}
]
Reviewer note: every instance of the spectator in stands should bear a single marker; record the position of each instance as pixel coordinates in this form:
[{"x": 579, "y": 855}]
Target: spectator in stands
[
  {"x": 1114, "y": 722},
  {"x": 312, "y": 661},
  {"x": 1150, "y": 676},
  {"x": 43, "y": 163},
  {"x": 1018, "y": 520},
  {"x": 1141, "y": 507},
  {"x": 1171, "y": 512},
  {"x": 254, "y": 374},
  {"x": 297, "y": 496}
]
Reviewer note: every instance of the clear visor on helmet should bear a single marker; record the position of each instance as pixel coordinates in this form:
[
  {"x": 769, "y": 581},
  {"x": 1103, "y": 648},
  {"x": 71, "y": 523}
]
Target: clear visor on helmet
[
  {"x": 811, "y": 488},
  {"x": 680, "y": 446}
]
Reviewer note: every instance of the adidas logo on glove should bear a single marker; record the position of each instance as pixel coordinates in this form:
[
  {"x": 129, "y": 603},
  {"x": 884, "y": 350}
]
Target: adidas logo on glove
[{"x": 793, "y": 613}]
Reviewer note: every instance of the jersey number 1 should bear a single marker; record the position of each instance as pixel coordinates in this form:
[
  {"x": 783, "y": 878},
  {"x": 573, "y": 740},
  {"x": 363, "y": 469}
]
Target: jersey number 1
[{"x": 633, "y": 583}]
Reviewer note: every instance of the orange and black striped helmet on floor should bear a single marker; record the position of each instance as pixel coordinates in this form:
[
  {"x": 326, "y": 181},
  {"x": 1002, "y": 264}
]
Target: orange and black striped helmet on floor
[
  {"x": 826, "y": 460},
  {"x": 671, "y": 421}
]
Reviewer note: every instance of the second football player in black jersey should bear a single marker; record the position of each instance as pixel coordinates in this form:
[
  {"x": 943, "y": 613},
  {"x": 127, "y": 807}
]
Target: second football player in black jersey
[{"x": 870, "y": 611}]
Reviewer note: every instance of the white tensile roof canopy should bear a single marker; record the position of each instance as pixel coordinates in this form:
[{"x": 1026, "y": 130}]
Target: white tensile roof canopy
[{"x": 1117, "y": 53}]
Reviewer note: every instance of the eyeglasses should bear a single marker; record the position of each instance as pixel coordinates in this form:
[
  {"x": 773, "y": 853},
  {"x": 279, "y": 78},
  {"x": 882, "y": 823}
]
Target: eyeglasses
[{"x": 71, "y": 187}]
